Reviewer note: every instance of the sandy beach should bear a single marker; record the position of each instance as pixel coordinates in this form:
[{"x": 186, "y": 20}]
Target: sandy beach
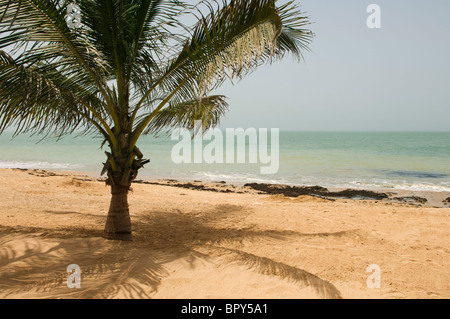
[{"x": 197, "y": 240}]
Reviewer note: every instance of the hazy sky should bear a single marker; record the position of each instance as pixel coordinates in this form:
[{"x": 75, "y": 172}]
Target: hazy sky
[{"x": 396, "y": 78}]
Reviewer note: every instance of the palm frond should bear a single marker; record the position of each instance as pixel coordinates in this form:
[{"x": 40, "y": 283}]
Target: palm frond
[
  {"x": 294, "y": 38},
  {"x": 42, "y": 24},
  {"x": 243, "y": 35},
  {"x": 39, "y": 102},
  {"x": 209, "y": 110},
  {"x": 228, "y": 43},
  {"x": 43, "y": 43},
  {"x": 132, "y": 37}
]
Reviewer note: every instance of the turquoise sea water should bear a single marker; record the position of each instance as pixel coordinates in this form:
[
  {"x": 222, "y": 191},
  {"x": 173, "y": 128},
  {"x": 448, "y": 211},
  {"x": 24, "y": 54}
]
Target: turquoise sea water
[{"x": 415, "y": 161}]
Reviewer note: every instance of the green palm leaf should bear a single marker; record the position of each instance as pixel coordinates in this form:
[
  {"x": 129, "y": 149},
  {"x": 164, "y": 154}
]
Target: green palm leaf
[
  {"x": 208, "y": 110},
  {"x": 229, "y": 43},
  {"x": 34, "y": 100}
]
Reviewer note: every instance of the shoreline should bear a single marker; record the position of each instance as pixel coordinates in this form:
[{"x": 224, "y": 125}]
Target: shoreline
[{"x": 418, "y": 198}]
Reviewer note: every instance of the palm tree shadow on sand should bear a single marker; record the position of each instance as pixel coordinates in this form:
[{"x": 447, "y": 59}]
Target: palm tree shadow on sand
[{"x": 33, "y": 261}]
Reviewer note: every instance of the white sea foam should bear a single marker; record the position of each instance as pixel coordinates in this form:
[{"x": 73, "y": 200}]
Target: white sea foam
[
  {"x": 39, "y": 165},
  {"x": 424, "y": 187},
  {"x": 412, "y": 186},
  {"x": 232, "y": 178}
]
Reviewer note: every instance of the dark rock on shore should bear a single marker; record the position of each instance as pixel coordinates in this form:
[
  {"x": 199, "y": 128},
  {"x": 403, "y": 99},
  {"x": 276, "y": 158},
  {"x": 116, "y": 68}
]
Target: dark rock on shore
[
  {"x": 415, "y": 199},
  {"x": 294, "y": 191},
  {"x": 289, "y": 191}
]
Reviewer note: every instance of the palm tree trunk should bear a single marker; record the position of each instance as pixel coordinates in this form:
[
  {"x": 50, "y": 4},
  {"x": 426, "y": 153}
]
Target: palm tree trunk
[{"x": 118, "y": 222}]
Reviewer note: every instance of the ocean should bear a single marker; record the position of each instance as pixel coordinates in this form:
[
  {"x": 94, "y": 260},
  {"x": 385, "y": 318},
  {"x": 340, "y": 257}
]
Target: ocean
[{"x": 368, "y": 160}]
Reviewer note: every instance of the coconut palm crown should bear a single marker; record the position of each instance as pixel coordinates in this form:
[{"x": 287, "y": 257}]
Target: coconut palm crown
[{"x": 124, "y": 68}]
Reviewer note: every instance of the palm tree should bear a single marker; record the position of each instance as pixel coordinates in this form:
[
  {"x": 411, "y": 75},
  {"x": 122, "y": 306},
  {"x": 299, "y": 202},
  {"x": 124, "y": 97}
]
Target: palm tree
[{"x": 124, "y": 68}]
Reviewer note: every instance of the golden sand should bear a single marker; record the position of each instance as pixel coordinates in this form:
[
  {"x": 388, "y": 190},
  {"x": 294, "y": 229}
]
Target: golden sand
[{"x": 215, "y": 244}]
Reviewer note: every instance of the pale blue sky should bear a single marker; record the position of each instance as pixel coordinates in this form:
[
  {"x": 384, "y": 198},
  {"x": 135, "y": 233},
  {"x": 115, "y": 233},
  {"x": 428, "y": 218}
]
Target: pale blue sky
[{"x": 396, "y": 78}]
